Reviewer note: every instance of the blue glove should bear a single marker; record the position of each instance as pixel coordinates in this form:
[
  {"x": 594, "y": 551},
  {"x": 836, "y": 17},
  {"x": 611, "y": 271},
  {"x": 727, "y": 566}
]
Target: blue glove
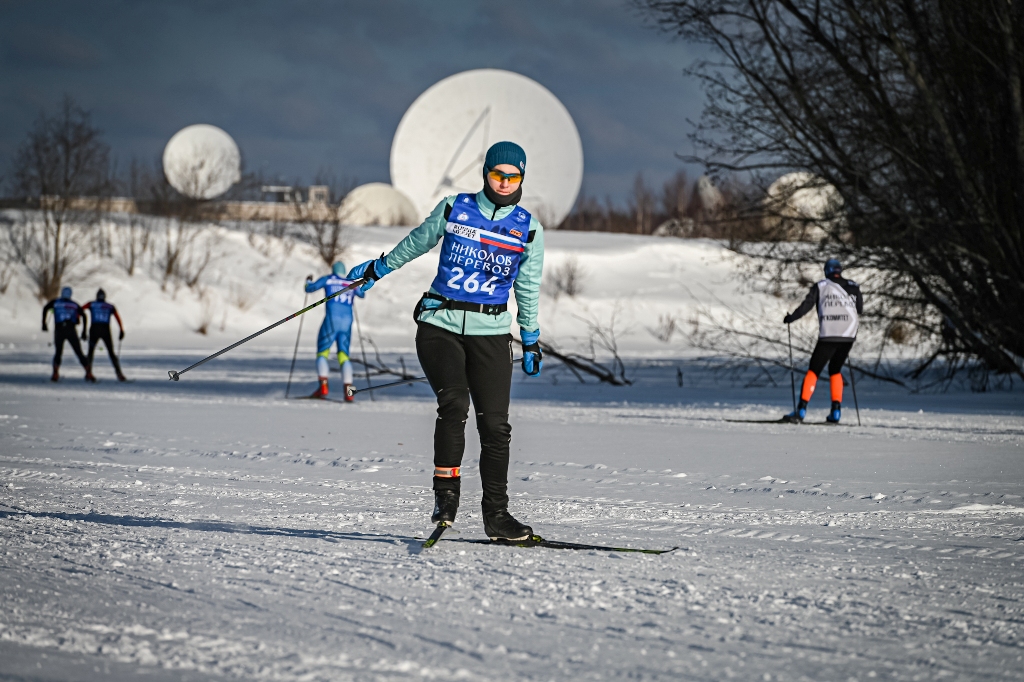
[
  {"x": 371, "y": 269},
  {"x": 533, "y": 359}
]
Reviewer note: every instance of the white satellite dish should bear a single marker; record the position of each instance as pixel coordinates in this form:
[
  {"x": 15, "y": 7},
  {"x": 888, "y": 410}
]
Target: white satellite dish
[
  {"x": 441, "y": 141},
  {"x": 202, "y": 161},
  {"x": 377, "y": 203}
]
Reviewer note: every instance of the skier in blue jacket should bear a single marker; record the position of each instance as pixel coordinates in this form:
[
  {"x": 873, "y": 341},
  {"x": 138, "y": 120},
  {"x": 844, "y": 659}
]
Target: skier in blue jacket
[
  {"x": 101, "y": 311},
  {"x": 336, "y": 328},
  {"x": 66, "y": 315},
  {"x": 489, "y": 246}
]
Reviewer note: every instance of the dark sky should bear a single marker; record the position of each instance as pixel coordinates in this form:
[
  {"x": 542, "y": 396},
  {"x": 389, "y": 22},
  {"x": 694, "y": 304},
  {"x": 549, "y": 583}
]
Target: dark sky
[{"x": 305, "y": 85}]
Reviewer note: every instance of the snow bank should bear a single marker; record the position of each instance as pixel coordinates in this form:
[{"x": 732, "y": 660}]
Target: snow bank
[{"x": 642, "y": 291}]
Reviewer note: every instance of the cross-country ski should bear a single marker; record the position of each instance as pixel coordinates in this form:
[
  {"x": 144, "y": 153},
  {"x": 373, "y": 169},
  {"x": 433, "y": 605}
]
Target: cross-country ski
[
  {"x": 436, "y": 534},
  {"x": 538, "y": 541}
]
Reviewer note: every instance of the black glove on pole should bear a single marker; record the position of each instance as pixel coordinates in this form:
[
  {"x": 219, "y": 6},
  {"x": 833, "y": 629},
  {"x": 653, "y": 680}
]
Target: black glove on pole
[{"x": 174, "y": 376}]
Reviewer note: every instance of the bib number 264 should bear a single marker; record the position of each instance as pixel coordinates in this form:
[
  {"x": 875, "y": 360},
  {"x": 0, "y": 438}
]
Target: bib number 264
[{"x": 471, "y": 284}]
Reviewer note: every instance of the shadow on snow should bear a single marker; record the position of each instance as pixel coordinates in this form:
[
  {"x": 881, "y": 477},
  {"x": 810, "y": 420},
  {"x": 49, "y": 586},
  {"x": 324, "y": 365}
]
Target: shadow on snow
[{"x": 217, "y": 527}]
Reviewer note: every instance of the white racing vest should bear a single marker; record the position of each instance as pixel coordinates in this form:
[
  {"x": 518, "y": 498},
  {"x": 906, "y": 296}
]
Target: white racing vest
[{"x": 837, "y": 311}]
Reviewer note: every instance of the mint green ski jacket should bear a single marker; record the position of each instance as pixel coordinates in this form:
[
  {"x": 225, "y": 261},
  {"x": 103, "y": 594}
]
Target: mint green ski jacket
[{"x": 526, "y": 285}]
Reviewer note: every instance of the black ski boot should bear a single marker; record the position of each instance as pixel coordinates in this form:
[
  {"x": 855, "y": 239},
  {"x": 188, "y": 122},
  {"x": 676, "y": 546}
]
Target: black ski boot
[
  {"x": 446, "y": 505},
  {"x": 797, "y": 415},
  {"x": 500, "y": 525}
]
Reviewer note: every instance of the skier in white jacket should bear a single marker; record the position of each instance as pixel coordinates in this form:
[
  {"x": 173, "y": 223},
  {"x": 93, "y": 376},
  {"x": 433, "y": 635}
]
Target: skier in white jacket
[{"x": 839, "y": 303}]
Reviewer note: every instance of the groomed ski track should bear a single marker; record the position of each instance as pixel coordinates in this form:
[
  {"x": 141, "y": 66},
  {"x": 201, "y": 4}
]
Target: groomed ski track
[
  {"x": 222, "y": 532},
  {"x": 208, "y": 529}
]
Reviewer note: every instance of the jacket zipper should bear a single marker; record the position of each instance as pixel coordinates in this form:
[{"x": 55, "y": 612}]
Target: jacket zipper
[{"x": 493, "y": 213}]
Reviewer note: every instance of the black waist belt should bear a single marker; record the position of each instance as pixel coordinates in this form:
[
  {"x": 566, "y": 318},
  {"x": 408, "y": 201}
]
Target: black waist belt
[{"x": 452, "y": 304}]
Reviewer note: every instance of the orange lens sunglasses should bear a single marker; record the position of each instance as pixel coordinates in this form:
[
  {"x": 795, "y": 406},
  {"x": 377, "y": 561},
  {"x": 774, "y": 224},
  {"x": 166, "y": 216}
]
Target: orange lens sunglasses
[{"x": 498, "y": 176}]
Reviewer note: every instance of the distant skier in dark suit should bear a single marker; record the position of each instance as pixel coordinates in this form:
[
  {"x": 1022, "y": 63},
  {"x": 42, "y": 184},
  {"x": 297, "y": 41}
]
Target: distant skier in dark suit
[
  {"x": 100, "y": 312},
  {"x": 839, "y": 303},
  {"x": 66, "y": 314}
]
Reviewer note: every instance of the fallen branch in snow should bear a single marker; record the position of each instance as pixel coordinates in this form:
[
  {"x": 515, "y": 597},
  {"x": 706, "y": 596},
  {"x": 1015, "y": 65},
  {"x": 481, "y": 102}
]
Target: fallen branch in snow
[
  {"x": 380, "y": 367},
  {"x": 604, "y": 336},
  {"x": 578, "y": 363},
  {"x": 784, "y": 363},
  {"x": 750, "y": 338}
]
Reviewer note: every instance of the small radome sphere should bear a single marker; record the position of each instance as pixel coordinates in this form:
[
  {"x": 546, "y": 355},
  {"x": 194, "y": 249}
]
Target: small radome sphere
[
  {"x": 377, "y": 203},
  {"x": 804, "y": 195},
  {"x": 202, "y": 161},
  {"x": 803, "y": 206}
]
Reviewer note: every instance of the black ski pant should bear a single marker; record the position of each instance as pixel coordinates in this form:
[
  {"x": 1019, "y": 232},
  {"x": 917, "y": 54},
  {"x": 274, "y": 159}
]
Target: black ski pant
[
  {"x": 460, "y": 367},
  {"x": 100, "y": 331},
  {"x": 67, "y": 331},
  {"x": 832, "y": 353}
]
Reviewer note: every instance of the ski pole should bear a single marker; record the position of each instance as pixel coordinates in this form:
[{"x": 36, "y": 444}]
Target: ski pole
[
  {"x": 853, "y": 385},
  {"x": 295, "y": 354},
  {"x": 366, "y": 366},
  {"x": 352, "y": 390},
  {"x": 174, "y": 376},
  {"x": 792, "y": 375}
]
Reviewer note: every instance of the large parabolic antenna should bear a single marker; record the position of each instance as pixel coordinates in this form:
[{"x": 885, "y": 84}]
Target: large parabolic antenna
[
  {"x": 440, "y": 143},
  {"x": 202, "y": 161}
]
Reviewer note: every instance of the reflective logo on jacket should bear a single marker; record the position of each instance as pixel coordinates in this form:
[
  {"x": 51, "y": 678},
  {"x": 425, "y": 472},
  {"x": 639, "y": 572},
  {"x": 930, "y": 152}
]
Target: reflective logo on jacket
[
  {"x": 480, "y": 257},
  {"x": 837, "y": 311},
  {"x": 101, "y": 311},
  {"x": 66, "y": 310},
  {"x": 340, "y": 305}
]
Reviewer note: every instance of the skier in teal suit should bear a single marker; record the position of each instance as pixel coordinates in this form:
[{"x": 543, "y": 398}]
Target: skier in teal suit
[{"x": 489, "y": 247}]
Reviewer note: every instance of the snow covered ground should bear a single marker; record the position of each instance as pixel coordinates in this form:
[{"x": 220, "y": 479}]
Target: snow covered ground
[
  {"x": 254, "y": 280},
  {"x": 210, "y": 529}
]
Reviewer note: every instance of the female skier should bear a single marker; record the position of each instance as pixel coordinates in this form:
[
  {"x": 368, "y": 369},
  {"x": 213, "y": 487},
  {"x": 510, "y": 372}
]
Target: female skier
[{"x": 489, "y": 246}]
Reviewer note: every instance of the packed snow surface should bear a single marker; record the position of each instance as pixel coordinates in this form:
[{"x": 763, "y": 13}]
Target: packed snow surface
[{"x": 212, "y": 529}]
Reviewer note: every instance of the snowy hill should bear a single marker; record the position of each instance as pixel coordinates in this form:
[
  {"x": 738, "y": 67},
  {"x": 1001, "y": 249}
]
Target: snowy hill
[{"x": 639, "y": 287}]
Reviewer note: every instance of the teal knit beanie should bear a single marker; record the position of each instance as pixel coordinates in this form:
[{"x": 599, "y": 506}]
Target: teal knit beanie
[{"x": 505, "y": 152}]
